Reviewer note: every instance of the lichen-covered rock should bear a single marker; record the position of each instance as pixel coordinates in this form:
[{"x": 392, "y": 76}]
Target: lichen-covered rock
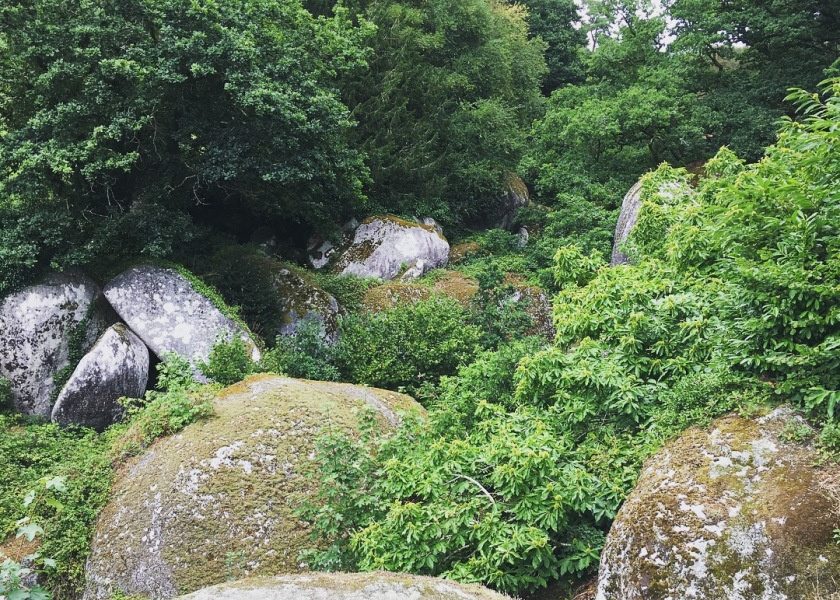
[
  {"x": 219, "y": 499},
  {"x": 736, "y": 512},
  {"x": 345, "y": 586},
  {"x": 631, "y": 207},
  {"x": 303, "y": 301},
  {"x": 116, "y": 366},
  {"x": 384, "y": 247},
  {"x": 164, "y": 309},
  {"x": 39, "y": 327}
]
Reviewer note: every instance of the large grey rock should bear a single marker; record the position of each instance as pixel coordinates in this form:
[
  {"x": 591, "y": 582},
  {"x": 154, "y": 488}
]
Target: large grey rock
[
  {"x": 385, "y": 246},
  {"x": 631, "y": 206},
  {"x": 219, "y": 499},
  {"x": 117, "y": 366},
  {"x": 161, "y": 306},
  {"x": 345, "y": 586},
  {"x": 38, "y": 326},
  {"x": 740, "y": 511}
]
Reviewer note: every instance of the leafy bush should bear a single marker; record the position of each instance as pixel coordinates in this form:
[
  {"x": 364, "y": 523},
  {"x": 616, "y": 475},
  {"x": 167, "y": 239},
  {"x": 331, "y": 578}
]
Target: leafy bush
[
  {"x": 731, "y": 304},
  {"x": 229, "y": 362},
  {"x": 406, "y": 346},
  {"x": 178, "y": 401},
  {"x": 304, "y": 354},
  {"x": 29, "y": 452},
  {"x": 348, "y": 291}
]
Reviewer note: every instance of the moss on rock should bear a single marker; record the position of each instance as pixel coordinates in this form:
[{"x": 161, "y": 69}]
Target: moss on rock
[
  {"x": 451, "y": 284},
  {"x": 733, "y": 513},
  {"x": 219, "y": 500},
  {"x": 345, "y": 586}
]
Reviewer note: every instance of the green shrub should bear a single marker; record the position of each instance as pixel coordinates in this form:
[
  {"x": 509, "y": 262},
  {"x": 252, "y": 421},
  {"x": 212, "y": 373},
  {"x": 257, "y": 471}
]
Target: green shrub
[
  {"x": 28, "y": 453},
  {"x": 305, "y": 354},
  {"x": 229, "y": 362},
  {"x": 406, "y": 346},
  {"x": 178, "y": 401},
  {"x": 348, "y": 291},
  {"x": 731, "y": 305}
]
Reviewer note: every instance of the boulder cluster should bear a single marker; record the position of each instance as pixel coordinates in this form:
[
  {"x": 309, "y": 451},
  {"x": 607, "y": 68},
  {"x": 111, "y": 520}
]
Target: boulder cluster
[{"x": 72, "y": 350}]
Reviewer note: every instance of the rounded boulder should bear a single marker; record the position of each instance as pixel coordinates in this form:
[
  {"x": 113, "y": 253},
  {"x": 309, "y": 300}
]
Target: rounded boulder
[
  {"x": 164, "y": 309},
  {"x": 385, "y": 247},
  {"x": 220, "y": 499},
  {"x": 740, "y": 511},
  {"x": 345, "y": 586}
]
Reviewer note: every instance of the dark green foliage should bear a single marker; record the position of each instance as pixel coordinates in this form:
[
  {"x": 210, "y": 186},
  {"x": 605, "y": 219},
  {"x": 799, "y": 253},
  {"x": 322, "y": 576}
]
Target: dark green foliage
[
  {"x": 5, "y": 394},
  {"x": 408, "y": 345},
  {"x": 445, "y": 106},
  {"x": 748, "y": 54},
  {"x": 552, "y": 21},
  {"x": 245, "y": 278},
  {"x": 128, "y": 116}
]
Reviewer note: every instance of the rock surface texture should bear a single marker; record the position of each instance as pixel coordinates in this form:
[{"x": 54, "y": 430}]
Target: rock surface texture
[
  {"x": 630, "y": 207},
  {"x": 218, "y": 500},
  {"x": 345, "y": 586},
  {"x": 737, "y": 512},
  {"x": 303, "y": 302},
  {"x": 117, "y": 366},
  {"x": 39, "y": 325},
  {"x": 384, "y": 247},
  {"x": 161, "y": 306}
]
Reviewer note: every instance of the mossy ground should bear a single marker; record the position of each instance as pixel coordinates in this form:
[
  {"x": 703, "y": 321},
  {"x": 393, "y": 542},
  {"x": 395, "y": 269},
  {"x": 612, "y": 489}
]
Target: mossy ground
[{"x": 451, "y": 284}]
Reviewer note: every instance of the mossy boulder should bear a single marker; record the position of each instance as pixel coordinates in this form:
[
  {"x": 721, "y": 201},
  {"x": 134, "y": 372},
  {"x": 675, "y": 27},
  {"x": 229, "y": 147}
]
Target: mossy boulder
[
  {"x": 736, "y": 512},
  {"x": 170, "y": 312},
  {"x": 387, "y": 246},
  {"x": 451, "y": 284},
  {"x": 219, "y": 500},
  {"x": 302, "y": 301},
  {"x": 345, "y": 586},
  {"x": 44, "y": 328}
]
